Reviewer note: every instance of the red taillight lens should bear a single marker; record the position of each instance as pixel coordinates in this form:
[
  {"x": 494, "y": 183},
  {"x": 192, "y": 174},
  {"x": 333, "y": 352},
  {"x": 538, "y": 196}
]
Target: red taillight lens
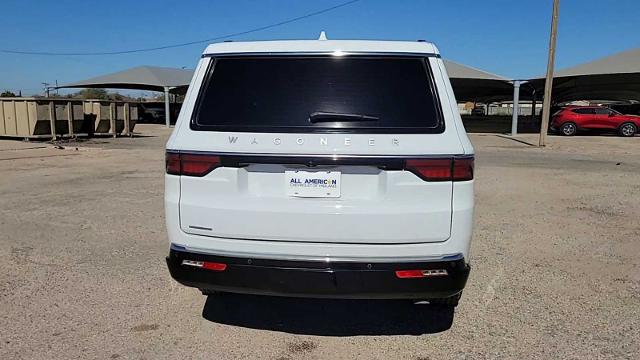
[
  {"x": 214, "y": 266},
  {"x": 173, "y": 163},
  {"x": 450, "y": 169},
  {"x": 430, "y": 169},
  {"x": 198, "y": 165},
  {"x": 463, "y": 169},
  {"x": 191, "y": 164},
  {"x": 408, "y": 274},
  {"x": 205, "y": 265}
]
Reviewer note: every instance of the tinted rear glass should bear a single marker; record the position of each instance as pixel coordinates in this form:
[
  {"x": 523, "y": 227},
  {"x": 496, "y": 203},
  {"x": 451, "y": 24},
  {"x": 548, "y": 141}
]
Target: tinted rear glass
[{"x": 319, "y": 94}]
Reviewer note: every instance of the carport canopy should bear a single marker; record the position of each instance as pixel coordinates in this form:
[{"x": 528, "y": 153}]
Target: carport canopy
[
  {"x": 614, "y": 77},
  {"x": 471, "y": 84},
  {"x": 152, "y": 78}
]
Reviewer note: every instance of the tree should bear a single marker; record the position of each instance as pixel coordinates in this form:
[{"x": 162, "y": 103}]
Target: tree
[
  {"x": 8, "y": 93},
  {"x": 100, "y": 94}
]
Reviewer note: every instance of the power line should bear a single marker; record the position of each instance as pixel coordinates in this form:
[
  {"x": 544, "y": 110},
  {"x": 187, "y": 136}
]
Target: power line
[{"x": 261, "y": 28}]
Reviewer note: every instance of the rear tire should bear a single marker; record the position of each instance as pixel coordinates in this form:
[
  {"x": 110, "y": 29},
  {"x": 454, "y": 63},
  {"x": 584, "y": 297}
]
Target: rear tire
[
  {"x": 627, "y": 129},
  {"x": 449, "y": 301},
  {"x": 568, "y": 129}
]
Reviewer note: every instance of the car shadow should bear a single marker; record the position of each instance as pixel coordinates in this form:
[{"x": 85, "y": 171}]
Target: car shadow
[{"x": 328, "y": 317}]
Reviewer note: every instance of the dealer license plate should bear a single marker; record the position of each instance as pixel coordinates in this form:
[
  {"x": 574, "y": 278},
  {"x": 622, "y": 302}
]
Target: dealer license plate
[{"x": 316, "y": 184}]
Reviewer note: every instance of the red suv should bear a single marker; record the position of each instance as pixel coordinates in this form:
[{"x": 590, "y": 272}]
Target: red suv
[{"x": 570, "y": 119}]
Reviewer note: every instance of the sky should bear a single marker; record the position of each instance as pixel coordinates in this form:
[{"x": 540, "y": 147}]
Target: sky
[{"x": 506, "y": 37}]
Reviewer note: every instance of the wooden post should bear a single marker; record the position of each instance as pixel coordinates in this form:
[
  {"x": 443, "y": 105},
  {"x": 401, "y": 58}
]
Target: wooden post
[
  {"x": 112, "y": 118},
  {"x": 126, "y": 119},
  {"x": 52, "y": 119},
  {"x": 70, "y": 117},
  {"x": 548, "y": 84}
]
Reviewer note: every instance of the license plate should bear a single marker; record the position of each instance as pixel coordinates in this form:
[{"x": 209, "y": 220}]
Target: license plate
[{"x": 313, "y": 184}]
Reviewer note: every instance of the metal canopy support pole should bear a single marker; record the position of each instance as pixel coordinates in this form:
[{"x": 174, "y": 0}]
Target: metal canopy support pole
[
  {"x": 533, "y": 104},
  {"x": 167, "y": 107},
  {"x": 112, "y": 119},
  {"x": 126, "y": 119},
  {"x": 52, "y": 119},
  {"x": 516, "y": 105},
  {"x": 70, "y": 117}
]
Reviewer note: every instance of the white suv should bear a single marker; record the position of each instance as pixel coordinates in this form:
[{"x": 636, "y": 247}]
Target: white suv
[{"x": 321, "y": 169}]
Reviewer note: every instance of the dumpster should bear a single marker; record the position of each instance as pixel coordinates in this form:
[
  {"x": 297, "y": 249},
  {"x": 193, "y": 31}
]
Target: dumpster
[
  {"x": 121, "y": 115},
  {"x": 27, "y": 117},
  {"x": 99, "y": 113},
  {"x": 111, "y": 114},
  {"x": 31, "y": 117},
  {"x": 69, "y": 117},
  {"x": 34, "y": 117}
]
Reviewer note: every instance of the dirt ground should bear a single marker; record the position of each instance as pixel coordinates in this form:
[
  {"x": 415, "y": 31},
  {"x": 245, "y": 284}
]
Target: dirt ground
[{"x": 555, "y": 265}]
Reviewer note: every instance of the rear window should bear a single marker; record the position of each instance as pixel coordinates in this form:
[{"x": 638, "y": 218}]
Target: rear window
[
  {"x": 583, "y": 111},
  {"x": 319, "y": 94}
]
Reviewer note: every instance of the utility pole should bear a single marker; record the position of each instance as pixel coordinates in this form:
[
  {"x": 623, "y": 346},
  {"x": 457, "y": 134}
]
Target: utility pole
[
  {"x": 46, "y": 88},
  {"x": 548, "y": 84}
]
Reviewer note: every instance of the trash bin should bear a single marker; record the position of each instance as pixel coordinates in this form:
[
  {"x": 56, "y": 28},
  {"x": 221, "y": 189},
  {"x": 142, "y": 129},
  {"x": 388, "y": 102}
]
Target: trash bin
[
  {"x": 106, "y": 112},
  {"x": 27, "y": 117}
]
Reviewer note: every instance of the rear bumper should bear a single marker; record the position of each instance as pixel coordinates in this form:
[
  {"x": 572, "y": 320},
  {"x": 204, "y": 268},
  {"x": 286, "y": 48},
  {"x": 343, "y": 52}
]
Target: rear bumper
[{"x": 320, "y": 279}]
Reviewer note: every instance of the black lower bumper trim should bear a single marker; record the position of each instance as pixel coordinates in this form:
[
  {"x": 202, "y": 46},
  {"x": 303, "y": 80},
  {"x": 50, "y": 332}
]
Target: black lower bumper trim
[{"x": 319, "y": 279}]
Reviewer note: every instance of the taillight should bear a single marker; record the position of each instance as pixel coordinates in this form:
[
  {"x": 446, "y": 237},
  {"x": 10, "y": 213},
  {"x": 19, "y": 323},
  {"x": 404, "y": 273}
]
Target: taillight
[
  {"x": 191, "y": 164},
  {"x": 463, "y": 168},
  {"x": 449, "y": 169},
  {"x": 172, "y": 161},
  {"x": 430, "y": 169}
]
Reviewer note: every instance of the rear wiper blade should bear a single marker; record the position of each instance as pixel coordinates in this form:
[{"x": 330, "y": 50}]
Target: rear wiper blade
[{"x": 321, "y": 116}]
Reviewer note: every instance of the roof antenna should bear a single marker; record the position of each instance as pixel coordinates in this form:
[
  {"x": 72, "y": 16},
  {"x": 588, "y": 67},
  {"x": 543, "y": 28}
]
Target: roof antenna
[{"x": 322, "y": 36}]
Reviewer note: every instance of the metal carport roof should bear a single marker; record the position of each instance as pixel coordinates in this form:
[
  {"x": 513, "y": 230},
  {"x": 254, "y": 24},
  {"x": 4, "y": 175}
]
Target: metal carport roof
[
  {"x": 471, "y": 84},
  {"x": 140, "y": 78},
  {"x": 614, "y": 77},
  {"x": 152, "y": 78}
]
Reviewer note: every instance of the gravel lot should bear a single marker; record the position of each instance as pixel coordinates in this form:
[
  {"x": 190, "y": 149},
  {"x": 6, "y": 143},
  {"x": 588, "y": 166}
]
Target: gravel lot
[{"x": 555, "y": 256}]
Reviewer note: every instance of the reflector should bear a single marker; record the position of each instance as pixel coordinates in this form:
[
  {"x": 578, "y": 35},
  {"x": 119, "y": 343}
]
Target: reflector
[
  {"x": 406, "y": 274},
  {"x": 205, "y": 265},
  {"x": 214, "y": 266}
]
